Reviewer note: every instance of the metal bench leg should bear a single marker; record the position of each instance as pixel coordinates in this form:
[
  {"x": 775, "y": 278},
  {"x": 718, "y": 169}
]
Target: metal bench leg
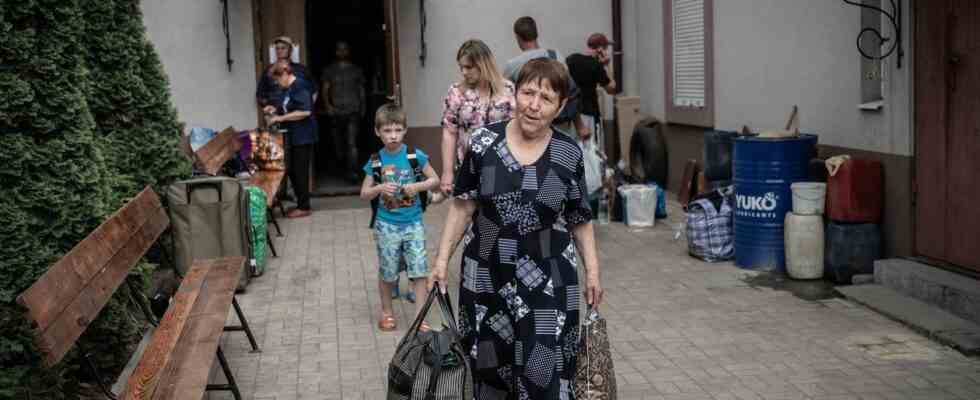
[
  {"x": 243, "y": 327},
  {"x": 87, "y": 358},
  {"x": 271, "y": 245},
  {"x": 231, "y": 385},
  {"x": 282, "y": 209},
  {"x": 272, "y": 217}
]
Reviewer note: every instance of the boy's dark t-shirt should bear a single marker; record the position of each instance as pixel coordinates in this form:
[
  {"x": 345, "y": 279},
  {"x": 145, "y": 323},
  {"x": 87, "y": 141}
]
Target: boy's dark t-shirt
[{"x": 587, "y": 74}]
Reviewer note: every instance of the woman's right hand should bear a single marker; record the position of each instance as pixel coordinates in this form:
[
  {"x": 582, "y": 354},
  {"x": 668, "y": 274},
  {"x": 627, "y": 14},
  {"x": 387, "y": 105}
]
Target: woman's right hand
[
  {"x": 446, "y": 183},
  {"x": 269, "y": 110},
  {"x": 439, "y": 274}
]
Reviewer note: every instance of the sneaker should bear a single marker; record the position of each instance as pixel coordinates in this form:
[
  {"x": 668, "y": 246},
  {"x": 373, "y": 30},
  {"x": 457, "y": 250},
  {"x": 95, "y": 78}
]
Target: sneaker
[{"x": 410, "y": 296}]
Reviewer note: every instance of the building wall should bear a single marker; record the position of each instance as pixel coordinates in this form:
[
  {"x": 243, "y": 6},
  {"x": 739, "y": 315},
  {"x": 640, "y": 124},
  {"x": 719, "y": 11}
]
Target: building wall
[
  {"x": 771, "y": 54},
  {"x": 190, "y": 40}
]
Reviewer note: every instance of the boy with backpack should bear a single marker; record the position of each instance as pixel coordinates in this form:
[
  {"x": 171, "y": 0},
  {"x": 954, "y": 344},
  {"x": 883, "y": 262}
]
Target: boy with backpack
[{"x": 397, "y": 179}]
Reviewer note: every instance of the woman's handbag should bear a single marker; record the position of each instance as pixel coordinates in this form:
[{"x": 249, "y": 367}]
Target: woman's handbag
[
  {"x": 431, "y": 365},
  {"x": 594, "y": 375}
]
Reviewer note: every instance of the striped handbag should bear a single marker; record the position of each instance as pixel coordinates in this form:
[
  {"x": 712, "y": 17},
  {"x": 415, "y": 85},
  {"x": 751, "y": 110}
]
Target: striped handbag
[{"x": 431, "y": 365}]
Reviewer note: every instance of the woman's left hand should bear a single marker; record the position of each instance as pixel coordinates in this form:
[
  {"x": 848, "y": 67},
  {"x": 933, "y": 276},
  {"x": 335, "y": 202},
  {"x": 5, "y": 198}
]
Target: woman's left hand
[{"x": 593, "y": 290}]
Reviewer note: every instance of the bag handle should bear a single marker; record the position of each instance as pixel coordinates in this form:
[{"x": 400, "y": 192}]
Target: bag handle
[
  {"x": 192, "y": 186},
  {"x": 446, "y": 306}
]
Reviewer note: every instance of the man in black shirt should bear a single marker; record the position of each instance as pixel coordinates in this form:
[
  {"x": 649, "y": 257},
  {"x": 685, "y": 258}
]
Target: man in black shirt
[{"x": 588, "y": 70}]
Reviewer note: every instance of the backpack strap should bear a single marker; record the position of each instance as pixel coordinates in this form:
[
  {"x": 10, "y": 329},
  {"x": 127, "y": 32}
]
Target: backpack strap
[
  {"x": 376, "y": 175},
  {"x": 413, "y": 160}
]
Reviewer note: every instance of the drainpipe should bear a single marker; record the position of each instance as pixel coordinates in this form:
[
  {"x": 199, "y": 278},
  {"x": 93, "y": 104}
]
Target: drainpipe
[{"x": 617, "y": 27}]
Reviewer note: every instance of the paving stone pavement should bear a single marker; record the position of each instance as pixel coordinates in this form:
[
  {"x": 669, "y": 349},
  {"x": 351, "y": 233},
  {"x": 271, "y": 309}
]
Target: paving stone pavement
[{"x": 681, "y": 329}]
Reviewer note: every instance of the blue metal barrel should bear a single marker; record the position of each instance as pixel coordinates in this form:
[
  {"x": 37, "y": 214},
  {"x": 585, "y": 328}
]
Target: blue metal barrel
[{"x": 763, "y": 170}]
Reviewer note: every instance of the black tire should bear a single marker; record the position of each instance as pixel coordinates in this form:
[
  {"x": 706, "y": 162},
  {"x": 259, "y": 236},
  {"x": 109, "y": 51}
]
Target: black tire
[{"x": 648, "y": 154}]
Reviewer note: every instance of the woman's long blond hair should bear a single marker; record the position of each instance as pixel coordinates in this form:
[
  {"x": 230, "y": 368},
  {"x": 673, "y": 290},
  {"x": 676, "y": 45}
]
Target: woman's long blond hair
[{"x": 479, "y": 54}]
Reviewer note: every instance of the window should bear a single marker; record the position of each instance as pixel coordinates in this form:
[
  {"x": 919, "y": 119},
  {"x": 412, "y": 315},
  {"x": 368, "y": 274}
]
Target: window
[{"x": 688, "y": 30}]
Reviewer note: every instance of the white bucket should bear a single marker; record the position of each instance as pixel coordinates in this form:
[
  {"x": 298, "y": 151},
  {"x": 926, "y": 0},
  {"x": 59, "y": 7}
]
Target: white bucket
[
  {"x": 808, "y": 197},
  {"x": 640, "y": 205}
]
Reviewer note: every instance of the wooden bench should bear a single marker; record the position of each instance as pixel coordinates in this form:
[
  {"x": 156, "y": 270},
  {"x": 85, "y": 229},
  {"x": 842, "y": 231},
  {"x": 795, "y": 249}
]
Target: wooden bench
[
  {"x": 178, "y": 359},
  {"x": 217, "y": 151}
]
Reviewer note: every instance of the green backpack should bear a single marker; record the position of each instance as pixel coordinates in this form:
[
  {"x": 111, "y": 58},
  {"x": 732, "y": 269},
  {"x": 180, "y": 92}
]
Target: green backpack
[{"x": 376, "y": 174}]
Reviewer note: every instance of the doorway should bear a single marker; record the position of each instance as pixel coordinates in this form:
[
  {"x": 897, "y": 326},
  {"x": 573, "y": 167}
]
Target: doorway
[
  {"x": 361, "y": 24},
  {"x": 947, "y": 80}
]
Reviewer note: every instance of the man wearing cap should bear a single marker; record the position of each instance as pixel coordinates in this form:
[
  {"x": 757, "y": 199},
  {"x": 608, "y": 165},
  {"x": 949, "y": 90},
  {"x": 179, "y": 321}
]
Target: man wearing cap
[
  {"x": 588, "y": 70},
  {"x": 268, "y": 92}
]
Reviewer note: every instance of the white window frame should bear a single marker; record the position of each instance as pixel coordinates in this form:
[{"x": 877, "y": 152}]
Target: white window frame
[{"x": 692, "y": 104}]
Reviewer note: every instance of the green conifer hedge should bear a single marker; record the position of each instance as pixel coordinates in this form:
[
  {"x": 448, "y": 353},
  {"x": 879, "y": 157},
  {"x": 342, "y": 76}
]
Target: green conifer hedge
[{"x": 85, "y": 122}]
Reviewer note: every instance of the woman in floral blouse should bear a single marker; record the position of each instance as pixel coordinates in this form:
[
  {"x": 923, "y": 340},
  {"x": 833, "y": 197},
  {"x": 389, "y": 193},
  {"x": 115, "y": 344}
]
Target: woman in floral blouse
[{"x": 482, "y": 97}]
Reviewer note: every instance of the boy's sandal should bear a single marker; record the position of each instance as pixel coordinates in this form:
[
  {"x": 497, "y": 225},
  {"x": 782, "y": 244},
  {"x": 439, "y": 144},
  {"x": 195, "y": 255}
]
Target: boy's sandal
[
  {"x": 424, "y": 327},
  {"x": 387, "y": 323}
]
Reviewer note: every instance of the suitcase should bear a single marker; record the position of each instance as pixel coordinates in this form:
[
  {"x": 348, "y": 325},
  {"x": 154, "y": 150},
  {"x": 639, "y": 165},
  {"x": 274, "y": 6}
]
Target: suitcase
[
  {"x": 210, "y": 219},
  {"x": 260, "y": 227},
  {"x": 854, "y": 192}
]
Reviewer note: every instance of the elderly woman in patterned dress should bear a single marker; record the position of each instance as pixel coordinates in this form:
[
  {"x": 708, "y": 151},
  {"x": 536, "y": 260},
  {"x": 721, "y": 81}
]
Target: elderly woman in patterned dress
[{"x": 522, "y": 185}]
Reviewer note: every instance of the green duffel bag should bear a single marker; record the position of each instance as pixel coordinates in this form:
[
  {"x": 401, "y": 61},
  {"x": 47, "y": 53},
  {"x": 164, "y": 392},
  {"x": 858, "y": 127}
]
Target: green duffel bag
[{"x": 260, "y": 226}]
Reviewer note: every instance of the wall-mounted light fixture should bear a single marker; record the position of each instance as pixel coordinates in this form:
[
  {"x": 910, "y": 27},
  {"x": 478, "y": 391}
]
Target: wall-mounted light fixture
[{"x": 895, "y": 18}]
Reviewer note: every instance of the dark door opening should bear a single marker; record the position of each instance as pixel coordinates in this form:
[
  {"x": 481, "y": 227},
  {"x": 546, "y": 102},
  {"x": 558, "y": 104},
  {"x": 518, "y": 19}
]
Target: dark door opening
[{"x": 361, "y": 25}]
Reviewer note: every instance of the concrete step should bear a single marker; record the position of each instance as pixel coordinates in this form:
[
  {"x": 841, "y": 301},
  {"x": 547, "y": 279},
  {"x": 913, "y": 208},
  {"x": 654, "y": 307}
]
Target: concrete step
[
  {"x": 940, "y": 325},
  {"x": 955, "y": 293}
]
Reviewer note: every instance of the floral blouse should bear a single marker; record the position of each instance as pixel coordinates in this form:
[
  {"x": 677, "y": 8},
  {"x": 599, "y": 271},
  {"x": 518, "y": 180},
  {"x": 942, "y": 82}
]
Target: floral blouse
[{"x": 463, "y": 112}]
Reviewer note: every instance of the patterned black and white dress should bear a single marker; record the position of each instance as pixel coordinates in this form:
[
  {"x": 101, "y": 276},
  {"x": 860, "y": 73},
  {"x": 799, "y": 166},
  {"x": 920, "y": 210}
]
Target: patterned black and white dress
[{"x": 519, "y": 297}]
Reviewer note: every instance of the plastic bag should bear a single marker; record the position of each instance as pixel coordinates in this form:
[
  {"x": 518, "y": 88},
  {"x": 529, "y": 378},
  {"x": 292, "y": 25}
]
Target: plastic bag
[
  {"x": 640, "y": 208},
  {"x": 200, "y": 136},
  {"x": 593, "y": 165}
]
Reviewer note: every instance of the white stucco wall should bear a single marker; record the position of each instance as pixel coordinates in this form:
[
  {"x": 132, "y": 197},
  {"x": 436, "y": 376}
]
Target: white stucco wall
[
  {"x": 562, "y": 24},
  {"x": 190, "y": 40},
  {"x": 771, "y": 54}
]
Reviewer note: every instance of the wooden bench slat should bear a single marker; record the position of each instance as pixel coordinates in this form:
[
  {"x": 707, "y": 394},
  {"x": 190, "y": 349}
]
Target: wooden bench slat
[
  {"x": 69, "y": 295},
  {"x": 55, "y": 290},
  {"x": 177, "y": 363},
  {"x": 218, "y": 150},
  {"x": 187, "y": 375},
  {"x": 143, "y": 382},
  {"x": 61, "y": 335}
]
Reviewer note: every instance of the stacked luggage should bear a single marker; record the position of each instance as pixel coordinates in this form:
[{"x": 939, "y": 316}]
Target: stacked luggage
[{"x": 211, "y": 218}]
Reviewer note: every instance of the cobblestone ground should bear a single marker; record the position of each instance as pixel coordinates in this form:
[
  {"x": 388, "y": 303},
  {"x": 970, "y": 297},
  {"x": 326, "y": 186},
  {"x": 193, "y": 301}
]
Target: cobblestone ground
[{"x": 681, "y": 329}]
